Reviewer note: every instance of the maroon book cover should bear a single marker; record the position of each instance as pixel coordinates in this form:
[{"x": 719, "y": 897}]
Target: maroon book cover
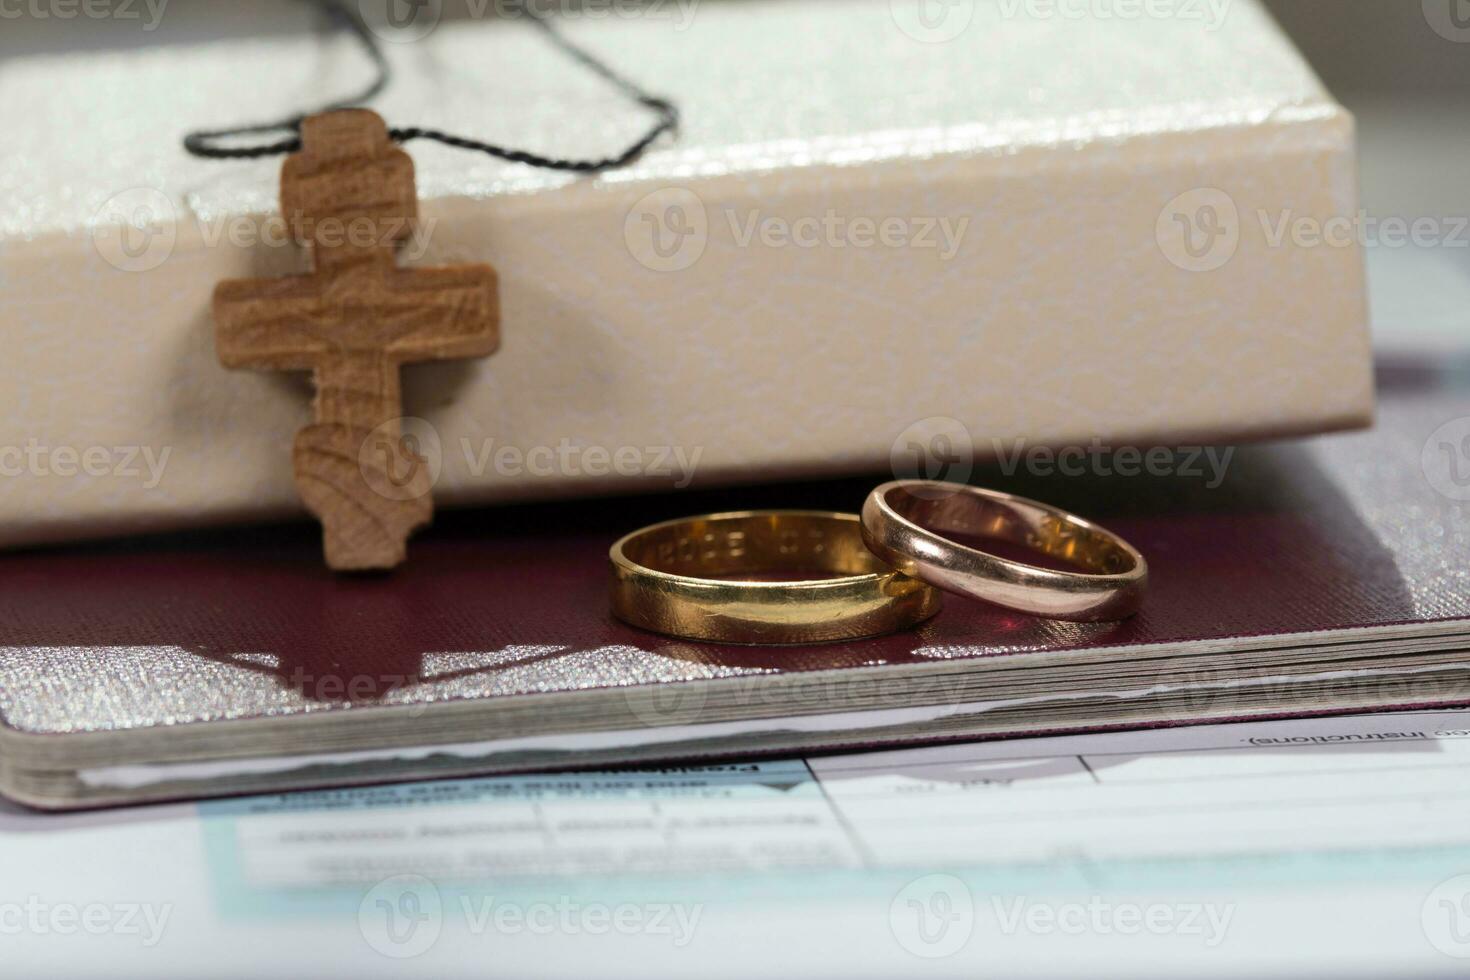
[{"x": 1266, "y": 547}]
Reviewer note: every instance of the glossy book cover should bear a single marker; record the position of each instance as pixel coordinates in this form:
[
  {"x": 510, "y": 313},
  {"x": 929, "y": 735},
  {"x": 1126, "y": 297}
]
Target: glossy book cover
[{"x": 1307, "y": 576}]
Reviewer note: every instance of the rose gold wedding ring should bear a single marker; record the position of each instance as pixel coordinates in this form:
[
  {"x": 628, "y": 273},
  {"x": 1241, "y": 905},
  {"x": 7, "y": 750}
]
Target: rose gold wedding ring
[{"x": 906, "y": 523}]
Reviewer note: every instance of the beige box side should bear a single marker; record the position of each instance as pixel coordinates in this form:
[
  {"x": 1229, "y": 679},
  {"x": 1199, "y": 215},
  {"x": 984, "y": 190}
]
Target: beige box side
[{"x": 1061, "y": 305}]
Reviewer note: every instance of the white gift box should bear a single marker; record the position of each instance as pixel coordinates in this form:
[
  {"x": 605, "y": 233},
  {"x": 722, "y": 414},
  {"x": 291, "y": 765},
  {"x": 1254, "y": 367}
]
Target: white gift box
[{"x": 881, "y": 221}]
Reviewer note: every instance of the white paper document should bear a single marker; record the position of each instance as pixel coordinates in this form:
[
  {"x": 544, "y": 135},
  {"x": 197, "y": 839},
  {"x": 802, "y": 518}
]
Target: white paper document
[{"x": 1332, "y": 846}]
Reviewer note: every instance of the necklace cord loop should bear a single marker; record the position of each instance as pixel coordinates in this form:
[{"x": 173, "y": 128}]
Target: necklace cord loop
[{"x": 206, "y": 142}]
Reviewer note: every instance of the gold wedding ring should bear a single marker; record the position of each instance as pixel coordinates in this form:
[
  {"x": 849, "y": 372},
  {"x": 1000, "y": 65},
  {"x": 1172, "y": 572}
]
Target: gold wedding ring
[
  {"x": 715, "y": 578},
  {"x": 906, "y": 523}
]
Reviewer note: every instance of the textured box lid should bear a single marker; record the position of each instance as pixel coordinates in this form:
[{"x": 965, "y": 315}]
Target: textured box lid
[{"x": 1064, "y": 313}]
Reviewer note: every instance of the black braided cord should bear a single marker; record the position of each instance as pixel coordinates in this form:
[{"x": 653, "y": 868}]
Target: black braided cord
[{"x": 206, "y": 143}]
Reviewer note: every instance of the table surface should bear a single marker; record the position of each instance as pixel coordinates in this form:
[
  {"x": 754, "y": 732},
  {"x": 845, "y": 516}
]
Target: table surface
[{"x": 1335, "y": 845}]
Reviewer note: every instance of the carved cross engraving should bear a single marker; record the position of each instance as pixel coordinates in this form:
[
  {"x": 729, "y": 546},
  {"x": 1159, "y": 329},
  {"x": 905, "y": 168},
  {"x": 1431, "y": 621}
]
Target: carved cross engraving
[{"x": 349, "y": 196}]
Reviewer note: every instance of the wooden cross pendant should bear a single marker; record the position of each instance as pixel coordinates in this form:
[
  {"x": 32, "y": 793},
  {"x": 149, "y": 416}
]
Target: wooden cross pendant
[{"x": 349, "y": 197}]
